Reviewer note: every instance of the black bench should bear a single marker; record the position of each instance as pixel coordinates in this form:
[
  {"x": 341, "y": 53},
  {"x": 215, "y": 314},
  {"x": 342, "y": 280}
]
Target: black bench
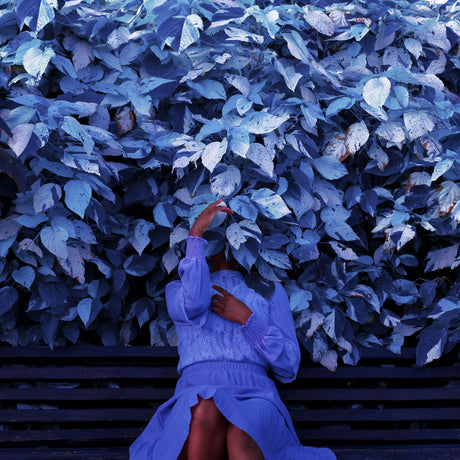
[{"x": 92, "y": 402}]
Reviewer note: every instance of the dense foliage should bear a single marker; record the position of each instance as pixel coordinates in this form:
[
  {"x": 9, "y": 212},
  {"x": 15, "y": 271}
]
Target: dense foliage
[{"x": 332, "y": 129}]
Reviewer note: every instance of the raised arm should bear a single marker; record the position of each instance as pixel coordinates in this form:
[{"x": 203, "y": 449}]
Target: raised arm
[{"x": 188, "y": 300}]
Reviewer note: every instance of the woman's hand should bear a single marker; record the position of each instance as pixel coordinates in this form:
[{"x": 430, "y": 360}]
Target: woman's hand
[
  {"x": 229, "y": 307},
  {"x": 206, "y": 217}
]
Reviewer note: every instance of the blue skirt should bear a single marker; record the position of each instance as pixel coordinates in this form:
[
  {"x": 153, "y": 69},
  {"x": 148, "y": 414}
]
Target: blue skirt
[{"x": 244, "y": 395}]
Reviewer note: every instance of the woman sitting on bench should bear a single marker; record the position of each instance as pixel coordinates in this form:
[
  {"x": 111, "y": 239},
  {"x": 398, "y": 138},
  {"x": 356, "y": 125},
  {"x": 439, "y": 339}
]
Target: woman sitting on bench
[{"x": 224, "y": 405}]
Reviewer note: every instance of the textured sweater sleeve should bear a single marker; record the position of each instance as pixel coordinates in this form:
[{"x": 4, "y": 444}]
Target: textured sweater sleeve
[
  {"x": 188, "y": 300},
  {"x": 276, "y": 341}
]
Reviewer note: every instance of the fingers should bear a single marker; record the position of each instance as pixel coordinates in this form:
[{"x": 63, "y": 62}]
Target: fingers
[
  {"x": 220, "y": 289},
  {"x": 215, "y": 207}
]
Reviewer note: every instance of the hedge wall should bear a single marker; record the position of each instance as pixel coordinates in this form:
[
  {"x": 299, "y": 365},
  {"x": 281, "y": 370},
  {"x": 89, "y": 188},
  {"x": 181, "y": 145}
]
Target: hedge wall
[{"x": 332, "y": 129}]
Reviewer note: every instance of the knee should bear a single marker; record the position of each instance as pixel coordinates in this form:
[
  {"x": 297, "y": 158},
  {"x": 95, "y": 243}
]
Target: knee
[
  {"x": 206, "y": 416},
  {"x": 240, "y": 438}
]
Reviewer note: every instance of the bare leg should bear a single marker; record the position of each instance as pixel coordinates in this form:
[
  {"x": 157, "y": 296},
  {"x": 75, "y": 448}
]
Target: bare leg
[
  {"x": 207, "y": 435},
  {"x": 241, "y": 446}
]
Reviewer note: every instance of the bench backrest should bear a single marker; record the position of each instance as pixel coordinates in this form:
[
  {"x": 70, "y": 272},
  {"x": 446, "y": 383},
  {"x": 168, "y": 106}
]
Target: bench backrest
[{"x": 106, "y": 395}]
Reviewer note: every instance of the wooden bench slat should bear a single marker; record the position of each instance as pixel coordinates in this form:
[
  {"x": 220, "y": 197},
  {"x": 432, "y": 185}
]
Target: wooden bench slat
[
  {"x": 379, "y": 435},
  {"x": 382, "y": 452},
  {"x": 287, "y": 394},
  {"x": 398, "y": 452},
  {"x": 76, "y": 415},
  {"x": 170, "y": 372},
  {"x": 375, "y": 415},
  {"x": 380, "y": 373},
  {"x": 85, "y": 394},
  {"x": 60, "y": 453},
  {"x": 298, "y": 415},
  {"x": 143, "y": 352},
  {"x": 88, "y": 373},
  {"x": 76, "y": 435},
  {"x": 88, "y": 352},
  {"x": 369, "y": 394},
  {"x": 305, "y": 435}
]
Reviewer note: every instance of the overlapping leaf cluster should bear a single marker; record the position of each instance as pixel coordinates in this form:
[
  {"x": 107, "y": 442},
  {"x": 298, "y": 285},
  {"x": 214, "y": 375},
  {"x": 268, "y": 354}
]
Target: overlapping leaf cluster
[{"x": 332, "y": 129}]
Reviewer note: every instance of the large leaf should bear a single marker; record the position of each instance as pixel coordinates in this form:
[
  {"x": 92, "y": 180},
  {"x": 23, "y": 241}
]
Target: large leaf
[
  {"x": 46, "y": 197},
  {"x": 35, "y": 13},
  {"x": 77, "y": 196}
]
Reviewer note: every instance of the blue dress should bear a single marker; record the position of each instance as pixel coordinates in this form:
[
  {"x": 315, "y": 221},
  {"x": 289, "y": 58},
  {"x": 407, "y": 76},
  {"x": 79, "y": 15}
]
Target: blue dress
[{"x": 223, "y": 360}]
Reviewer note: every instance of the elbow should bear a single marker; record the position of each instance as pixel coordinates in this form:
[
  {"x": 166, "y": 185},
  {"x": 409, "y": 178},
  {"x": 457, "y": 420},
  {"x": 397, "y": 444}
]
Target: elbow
[{"x": 287, "y": 377}]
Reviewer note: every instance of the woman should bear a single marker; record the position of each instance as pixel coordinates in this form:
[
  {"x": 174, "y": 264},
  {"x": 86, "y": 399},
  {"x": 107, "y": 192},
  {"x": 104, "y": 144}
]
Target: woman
[{"x": 224, "y": 405}]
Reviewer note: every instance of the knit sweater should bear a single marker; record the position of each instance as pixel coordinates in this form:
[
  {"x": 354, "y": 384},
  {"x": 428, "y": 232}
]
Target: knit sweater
[{"x": 268, "y": 338}]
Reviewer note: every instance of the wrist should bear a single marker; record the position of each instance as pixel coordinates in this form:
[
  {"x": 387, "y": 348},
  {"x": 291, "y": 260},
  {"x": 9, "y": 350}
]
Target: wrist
[
  {"x": 244, "y": 319},
  {"x": 195, "y": 232}
]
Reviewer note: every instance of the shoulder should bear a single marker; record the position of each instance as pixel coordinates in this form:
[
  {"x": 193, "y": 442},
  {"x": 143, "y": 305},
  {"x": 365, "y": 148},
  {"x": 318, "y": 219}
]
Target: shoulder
[{"x": 279, "y": 294}]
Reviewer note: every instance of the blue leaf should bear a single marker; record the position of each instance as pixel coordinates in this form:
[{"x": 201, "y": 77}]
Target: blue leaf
[
  {"x": 442, "y": 258},
  {"x": 376, "y": 91},
  {"x": 138, "y": 234},
  {"x": 404, "y": 292},
  {"x": 139, "y": 265},
  {"x": 246, "y": 255},
  {"x": 83, "y": 232},
  {"x": 334, "y": 214},
  {"x": 320, "y": 21},
  {"x": 36, "y": 61},
  {"x": 441, "y": 167},
  {"x": 77, "y": 196},
  {"x": 8, "y": 297},
  {"x": 164, "y": 214},
  {"x": 88, "y": 309},
  {"x": 30, "y": 221},
  {"x": 330, "y": 167},
  {"x": 213, "y": 154},
  {"x": 340, "y": 231},
  {"x": 25, "y": 276},
  {"x": 46, "y": 197},
  {"x": 54, "y": 239},
  {"x": 259, "y": 154},
  {"x": 343, "y": 252},
  {"x": 291, "y": 77},
  {"x": 262, "y": 122},
  {"x": 21, "y": 138},
  {"x": 446, "y": 307},
  {"x": 368, "y": 294},
  {"x": 339, "y": 104},
  {"x": 64, "y": 65},
  {"x": 385, "y": 36},
  {"x": 368, "y": 202},
  {"x": 210, "y": 89},
  {"x": 35, "y": 13},
  {"x": 269, "y": 203},
  {"x": 72, "y": 127},
  {"x": 53, "y": 293},
  {"x": 413, "y": 46},
  {"x": 9, "y": 228},
  {"x": 431, "y": 344},
  {"x": 276, "y": 258},
  {"x": 226, "y": 182},
  {"x": 418, "y": 123},
  {"x": 356, "y": 136},
  {"x": 97, "y": 212},
  {"x": 243, "y": 206},
  {"x": 239, "y": 140}
]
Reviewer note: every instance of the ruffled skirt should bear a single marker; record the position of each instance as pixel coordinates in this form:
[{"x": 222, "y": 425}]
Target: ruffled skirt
[{"x": 244, "y": 395}]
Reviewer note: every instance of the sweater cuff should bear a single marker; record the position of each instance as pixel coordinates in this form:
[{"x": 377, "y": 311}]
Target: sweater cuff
[
  {"x": 255, "y": 329},
  {"x": 195, "y": 248}
]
